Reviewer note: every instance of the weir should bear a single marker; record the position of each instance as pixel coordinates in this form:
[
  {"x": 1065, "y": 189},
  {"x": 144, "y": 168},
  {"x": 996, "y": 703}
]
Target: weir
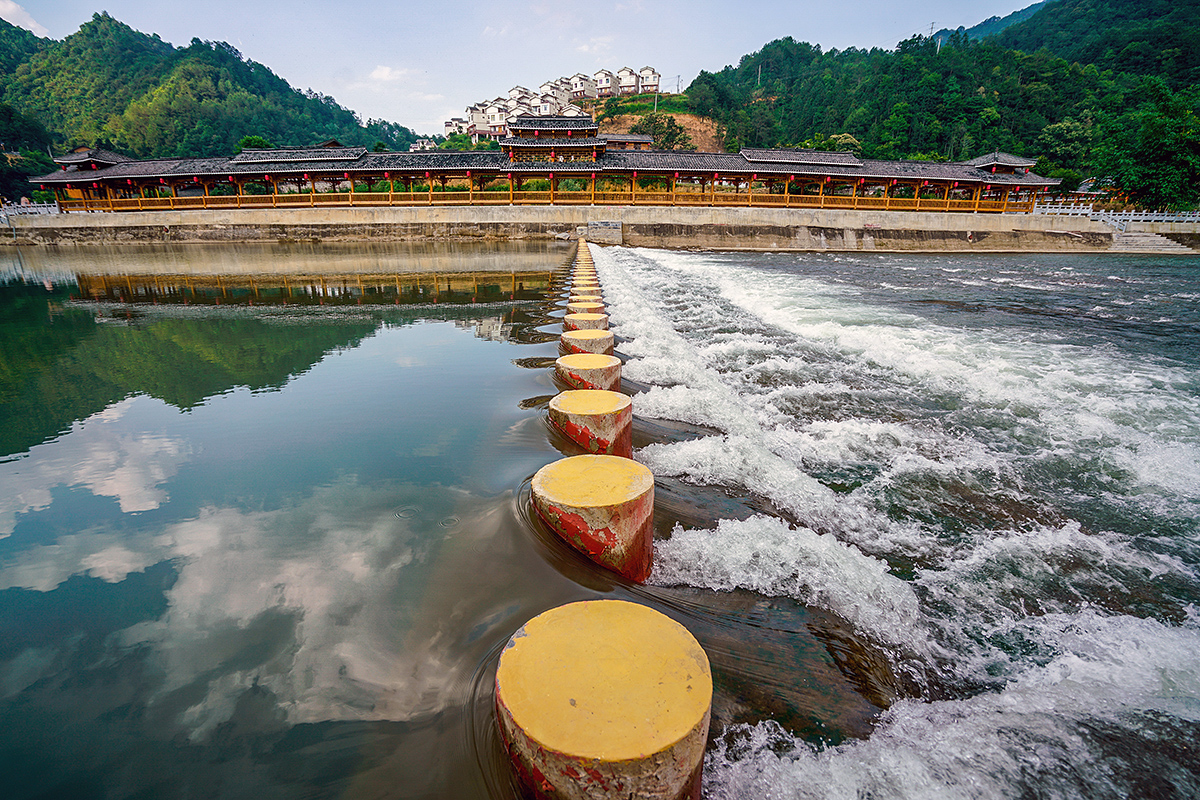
[{"x": 727, "y": 228}]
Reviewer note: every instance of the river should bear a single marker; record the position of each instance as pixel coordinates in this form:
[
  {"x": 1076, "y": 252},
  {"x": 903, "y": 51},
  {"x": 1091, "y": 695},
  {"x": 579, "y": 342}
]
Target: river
[{"x": 934, "y": 518}]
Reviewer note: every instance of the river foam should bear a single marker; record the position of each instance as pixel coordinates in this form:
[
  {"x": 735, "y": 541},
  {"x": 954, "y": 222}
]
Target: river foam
[{"x": 983, "y": 472}]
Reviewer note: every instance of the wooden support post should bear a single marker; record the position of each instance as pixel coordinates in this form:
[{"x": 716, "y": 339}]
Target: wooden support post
[
  {"x": 593, "y": 188},
  {"x": 430, "y": 179},
  {"x": 673, "y": 182},
  {"x": 978, "y": 194},
  {"x": 510, "y": 189}
]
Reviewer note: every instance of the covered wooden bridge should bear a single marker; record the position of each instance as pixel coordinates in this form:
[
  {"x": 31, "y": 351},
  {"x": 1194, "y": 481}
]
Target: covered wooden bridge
[{"x": 544, "y": 161}]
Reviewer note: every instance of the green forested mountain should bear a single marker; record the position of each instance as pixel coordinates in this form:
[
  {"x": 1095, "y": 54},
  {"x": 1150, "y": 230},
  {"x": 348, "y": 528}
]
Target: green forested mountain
[
  {"x": 965, "y": 97},
  {"x": 1140, "y": 37},
  {"x": 110, "y": 85},
  {"x": 17, "y": 45}
]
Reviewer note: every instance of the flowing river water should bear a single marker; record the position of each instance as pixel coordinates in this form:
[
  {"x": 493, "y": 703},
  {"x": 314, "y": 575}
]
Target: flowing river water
[{"x": 934, "y": 518}]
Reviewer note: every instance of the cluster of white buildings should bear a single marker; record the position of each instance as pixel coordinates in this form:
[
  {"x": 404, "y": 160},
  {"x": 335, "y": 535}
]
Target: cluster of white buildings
[{"x": 489, "y": 119}]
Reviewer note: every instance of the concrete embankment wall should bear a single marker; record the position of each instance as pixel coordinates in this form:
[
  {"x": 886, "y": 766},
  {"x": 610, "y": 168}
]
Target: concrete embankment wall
[{"x": 715, "y": 228}]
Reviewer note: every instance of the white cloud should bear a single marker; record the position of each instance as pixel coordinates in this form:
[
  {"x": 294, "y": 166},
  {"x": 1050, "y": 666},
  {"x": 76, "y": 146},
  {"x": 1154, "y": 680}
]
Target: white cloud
[
  {"x": 388, "y": 74},
  {"x": 99, "y": 453},
  {"x": 11, "y": 12}
]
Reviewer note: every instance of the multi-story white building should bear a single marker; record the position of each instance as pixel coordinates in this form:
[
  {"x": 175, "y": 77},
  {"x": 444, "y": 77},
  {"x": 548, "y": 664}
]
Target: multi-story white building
[
  {"x": 553, "y": 98},
  {"x": 559, "y": 89},
  {"x": 648, "y": 80},
  {"x": 582, "y": 86},
  {"x": 606, "y": 83},
  {"x": 627, "y": 81}
]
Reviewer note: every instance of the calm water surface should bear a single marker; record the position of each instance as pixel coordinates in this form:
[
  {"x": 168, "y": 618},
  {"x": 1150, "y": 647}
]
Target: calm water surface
[{"x": 934, "y": 519}]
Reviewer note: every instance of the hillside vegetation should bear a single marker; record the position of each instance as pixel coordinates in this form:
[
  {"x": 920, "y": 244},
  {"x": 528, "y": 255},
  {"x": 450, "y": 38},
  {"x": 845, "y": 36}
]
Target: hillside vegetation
[
  {"x": 967, "y": 97},
  {"x": 111, "y": 86}
]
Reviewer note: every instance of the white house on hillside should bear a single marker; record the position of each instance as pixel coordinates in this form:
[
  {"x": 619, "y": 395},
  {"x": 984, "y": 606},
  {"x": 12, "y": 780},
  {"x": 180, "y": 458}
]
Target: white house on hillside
[
  {"x": 606, "y": 83},
  {"x": 582, "y": 86},
  {"x": 627, "y": 81},
  {"x": 648, "y": 80}
]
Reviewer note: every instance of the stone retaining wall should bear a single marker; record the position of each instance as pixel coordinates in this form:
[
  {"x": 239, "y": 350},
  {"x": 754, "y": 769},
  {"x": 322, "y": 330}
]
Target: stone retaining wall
[{"x": 671, "y": 227}]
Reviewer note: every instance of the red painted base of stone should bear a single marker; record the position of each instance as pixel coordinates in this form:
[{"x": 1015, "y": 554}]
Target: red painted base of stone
[
  {"x": 634, "y": 564},
  {"x": 622, "y": 445}
]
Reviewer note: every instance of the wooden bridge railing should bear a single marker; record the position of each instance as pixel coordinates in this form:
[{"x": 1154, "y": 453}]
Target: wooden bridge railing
[{"x": 546, "y": 197}]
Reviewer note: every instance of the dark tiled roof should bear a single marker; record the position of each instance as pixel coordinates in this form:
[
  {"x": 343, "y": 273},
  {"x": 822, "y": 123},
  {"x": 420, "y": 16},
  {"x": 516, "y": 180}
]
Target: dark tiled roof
[
  {"x": 552, "y": 141},
  {"x": 101, "y": 156},
  {"x": 800, "y": 156},
  {"x": 357, "y": 161},
  {"x": 627, "y": 137},
  {"x": 552, "y": 123},
  {"x": 298, "y": 154},
  {"x": 435, "y": 159},
  {"x": 674, "y": 161},
  {"x": 999, "y": 159}
]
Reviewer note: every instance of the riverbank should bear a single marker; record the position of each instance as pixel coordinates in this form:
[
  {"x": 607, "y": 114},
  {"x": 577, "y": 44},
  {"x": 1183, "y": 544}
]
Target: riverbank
[{"x": 651, "y": 226}]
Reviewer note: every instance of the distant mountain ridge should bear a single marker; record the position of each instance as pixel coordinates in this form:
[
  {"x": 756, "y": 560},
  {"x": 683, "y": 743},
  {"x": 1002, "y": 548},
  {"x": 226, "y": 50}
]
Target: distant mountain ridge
[
  {"x": 109, "y": 85},
  {"x": 992, "y": 25}
]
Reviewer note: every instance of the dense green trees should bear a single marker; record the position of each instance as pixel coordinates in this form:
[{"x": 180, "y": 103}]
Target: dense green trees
[
  {"x": 461, "y": 141},
  {"x": 1152, "y": 153},
  {"x": 668, "y": 134},
  {"x": 1121, "y": 105},
  {"x": 112, "y": 86}
]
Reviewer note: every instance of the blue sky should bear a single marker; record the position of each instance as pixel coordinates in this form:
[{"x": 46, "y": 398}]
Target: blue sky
[{"x": 419, "y": 63}]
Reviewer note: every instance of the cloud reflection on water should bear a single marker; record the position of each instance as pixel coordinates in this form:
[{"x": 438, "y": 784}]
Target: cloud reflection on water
[
  {"x": 102, "y": 453},
  {"x": 328, "y": 605}
]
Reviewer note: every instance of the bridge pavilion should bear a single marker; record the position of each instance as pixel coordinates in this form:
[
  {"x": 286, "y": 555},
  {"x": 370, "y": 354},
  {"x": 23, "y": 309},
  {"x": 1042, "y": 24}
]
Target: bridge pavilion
[{"x": 544, "y": 160}]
